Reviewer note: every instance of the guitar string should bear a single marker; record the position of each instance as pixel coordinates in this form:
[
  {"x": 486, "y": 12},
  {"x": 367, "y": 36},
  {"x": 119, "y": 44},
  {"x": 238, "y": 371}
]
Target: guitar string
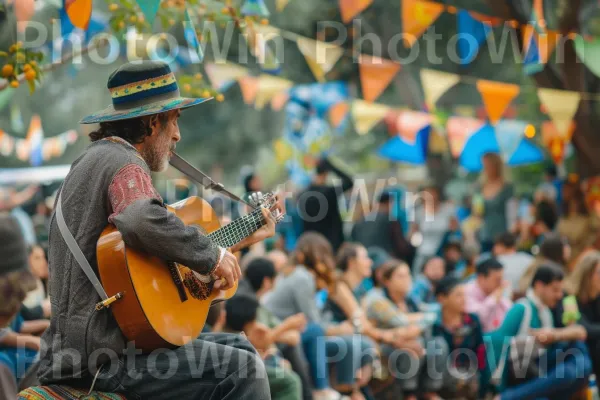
[{"x": 237, "y": 230}]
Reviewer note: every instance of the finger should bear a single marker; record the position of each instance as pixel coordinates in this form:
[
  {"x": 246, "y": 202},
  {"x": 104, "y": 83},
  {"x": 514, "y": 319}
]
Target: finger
[
  {"x": 238, "y": 271},
  {"x": 229, "y": 280},
  {"x": 218, "y": 284}
]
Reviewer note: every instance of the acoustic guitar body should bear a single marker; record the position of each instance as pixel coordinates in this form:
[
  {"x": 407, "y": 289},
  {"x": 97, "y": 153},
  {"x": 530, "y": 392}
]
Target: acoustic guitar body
[{"x": 151, "y": 311}]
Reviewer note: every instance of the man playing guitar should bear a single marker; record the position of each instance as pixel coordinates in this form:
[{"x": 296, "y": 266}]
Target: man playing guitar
[{"x": 110, "y": 182}]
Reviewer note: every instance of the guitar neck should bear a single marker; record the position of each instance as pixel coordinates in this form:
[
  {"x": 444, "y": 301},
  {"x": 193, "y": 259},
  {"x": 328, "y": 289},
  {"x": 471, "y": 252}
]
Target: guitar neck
[{"x": 238, "y": 230}]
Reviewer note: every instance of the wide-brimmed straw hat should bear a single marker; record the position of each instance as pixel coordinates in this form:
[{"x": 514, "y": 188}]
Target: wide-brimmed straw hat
[{"x": 142, "y": 88}]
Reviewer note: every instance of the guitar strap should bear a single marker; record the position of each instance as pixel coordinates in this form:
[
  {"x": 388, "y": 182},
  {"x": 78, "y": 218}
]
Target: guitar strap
[
  {"x": 178, "y": 163},
  {"x": 76, "y": 251}
]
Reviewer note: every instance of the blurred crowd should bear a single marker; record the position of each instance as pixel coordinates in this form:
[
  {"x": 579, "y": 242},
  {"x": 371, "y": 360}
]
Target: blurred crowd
[{"x": 498, "y": 296}]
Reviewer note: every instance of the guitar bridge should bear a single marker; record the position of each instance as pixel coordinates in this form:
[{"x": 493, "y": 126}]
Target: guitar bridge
[{"x": 177, "y": 280}]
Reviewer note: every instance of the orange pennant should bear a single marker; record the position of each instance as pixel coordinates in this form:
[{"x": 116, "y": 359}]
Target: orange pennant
[
  {"x": 79, "y": 12},
  {"x": 486, "y": 19},
  {"x": 496, "y": 97},
  {"x": 375, "y": 75},
  {"x": 249, "y": 87},
  {"x": 547, "y": 42},
  {"x": 417, "y": 16},
  {"x": 556, "y": 141},
  {"x": 350, "y": 8},
  {"x": 337, "y": 113}
]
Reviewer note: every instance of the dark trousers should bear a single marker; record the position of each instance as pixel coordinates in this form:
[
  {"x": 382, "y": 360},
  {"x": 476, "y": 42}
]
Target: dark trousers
[
  {"x": 295, "y": 355},
  {"x": 214, "y": 366}
]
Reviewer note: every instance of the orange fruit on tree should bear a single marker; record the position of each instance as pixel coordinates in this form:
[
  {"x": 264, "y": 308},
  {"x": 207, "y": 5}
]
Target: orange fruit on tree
[
  {"x": 8, "y": 70},
  {"x": 26, "y": 67},
  {"x": 30, "y": 75},
  {"x": 14, "y": 84},
  {"x": 220, "y": 97}
]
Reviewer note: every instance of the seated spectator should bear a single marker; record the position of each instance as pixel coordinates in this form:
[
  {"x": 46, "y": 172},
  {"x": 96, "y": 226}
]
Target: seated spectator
[
  {"x": 391, "y": 308},
  {"x": 471, "y": 250},
  {"x": 241, "y": 316},
  {"x": 554, "y": 249},
  {"x": 259, "y": 279},
  {"x": 15, "y": 282},
  {"x": 515, "y": 262},
  {"x": 423, "y": 290},
  {"x": 379, "y": 229},
  {"x": 453, "y": 257},
  {"x": 562, "y": 365},
  {"x": 312, "y": 269},
  {"x": 463, "y": 335},
  {"x": 37, "y": 304},
  {"x": 486, "y": 294},
  {"x": 279, "y": 260},
  {"x": 585, "y": 285},
  {"x": 215, "y": 319}
]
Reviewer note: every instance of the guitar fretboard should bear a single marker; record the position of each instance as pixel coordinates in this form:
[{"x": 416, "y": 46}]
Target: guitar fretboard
[{"x": 238, "y": 230}]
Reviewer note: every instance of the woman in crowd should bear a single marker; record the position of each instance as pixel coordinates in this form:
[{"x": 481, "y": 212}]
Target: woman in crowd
[
  {"x": 314, "y": 269},
  {"x": 585, "y": 284},
  {"x": 463, "y": 335},
  {"x": 576, "y": 223},
  {"x": 433, "y": 220},
  {"x": 36, "y": 304},
  {"x": 497, "y": 199},
  {"x": 554, "y": 249},
  {"x": 391, "y": 308}
]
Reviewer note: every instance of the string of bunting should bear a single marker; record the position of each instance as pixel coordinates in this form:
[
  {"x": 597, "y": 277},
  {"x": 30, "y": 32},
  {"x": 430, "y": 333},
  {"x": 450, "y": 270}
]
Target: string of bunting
[{"x": 35, "y": 148}]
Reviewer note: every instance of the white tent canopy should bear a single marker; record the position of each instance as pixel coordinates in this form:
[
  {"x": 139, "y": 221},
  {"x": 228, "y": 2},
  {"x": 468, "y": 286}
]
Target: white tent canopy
[{"x": 10, "y": 176}]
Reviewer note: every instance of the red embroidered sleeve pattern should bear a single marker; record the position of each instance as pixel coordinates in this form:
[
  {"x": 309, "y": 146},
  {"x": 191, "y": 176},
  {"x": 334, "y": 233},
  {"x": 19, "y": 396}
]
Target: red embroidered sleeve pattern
[{"x": 130, "y": 184}]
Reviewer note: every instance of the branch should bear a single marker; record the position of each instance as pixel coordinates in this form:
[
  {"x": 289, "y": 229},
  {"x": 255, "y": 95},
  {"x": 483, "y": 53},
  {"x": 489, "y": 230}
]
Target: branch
[{"x": 96, "y": 44}]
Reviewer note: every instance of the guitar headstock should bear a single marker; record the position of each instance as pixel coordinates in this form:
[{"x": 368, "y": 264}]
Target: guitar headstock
[{"x": 268, "y": 200}]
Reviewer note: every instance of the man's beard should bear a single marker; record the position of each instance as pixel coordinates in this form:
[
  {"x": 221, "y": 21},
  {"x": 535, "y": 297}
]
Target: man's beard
[{"x": 157, "y": 155}]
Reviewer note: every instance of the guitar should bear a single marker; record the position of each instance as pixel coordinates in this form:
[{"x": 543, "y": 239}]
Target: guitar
[{"x": 161, "y": 304}]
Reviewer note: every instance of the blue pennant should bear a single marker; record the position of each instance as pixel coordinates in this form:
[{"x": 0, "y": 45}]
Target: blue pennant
[{"x": 472, "y": 28}]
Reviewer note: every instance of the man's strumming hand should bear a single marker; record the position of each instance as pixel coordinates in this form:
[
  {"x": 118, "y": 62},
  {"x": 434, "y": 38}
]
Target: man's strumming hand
[{"x": 227, "y": 272}]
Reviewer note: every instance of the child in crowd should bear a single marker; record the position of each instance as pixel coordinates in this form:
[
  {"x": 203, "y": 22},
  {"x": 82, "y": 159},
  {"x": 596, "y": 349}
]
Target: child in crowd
[
  {"x": 423, "y": 290},
  {"x": 241, "y": 316},
  {"x": 463, "y": 335}
]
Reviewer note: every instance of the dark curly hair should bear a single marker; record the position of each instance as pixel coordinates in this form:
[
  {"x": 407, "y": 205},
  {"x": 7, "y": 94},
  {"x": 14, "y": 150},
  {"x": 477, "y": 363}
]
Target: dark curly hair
[{"x": 133, "y": 130}]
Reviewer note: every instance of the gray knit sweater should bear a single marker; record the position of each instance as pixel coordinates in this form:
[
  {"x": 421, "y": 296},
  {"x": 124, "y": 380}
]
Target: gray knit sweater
[{"x": 79, "y": 335}]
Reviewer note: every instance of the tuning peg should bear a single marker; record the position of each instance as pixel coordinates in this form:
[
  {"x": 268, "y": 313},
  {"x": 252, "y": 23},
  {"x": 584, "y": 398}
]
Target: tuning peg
[{"x": 255, "y": 199}]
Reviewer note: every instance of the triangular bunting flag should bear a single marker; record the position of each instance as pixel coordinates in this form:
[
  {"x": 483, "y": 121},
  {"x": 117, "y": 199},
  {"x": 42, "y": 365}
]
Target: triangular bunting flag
[
  {"x": 79, "y": 12},
  {"x": 470, "y": 27},
  {"x": 279, "y": 100},
  {"x": 249, "y": 88},
  {"x": 410, "y": 123},
  {"x": 191, "y": 37},
  {"x": 459, "y": 130},
  {"x": 222, "y": 74},
  {"x": 268, "y": 87},
  {"x": 561, "y": 106},
  {"x": 24, "y": 10},
  {"x": 496, "y": 97},
  {"x": 350, "y": 8},
  {"x": 337, "y": 113},
  {"x": 255, "y": 8},
  {"x": 509, "y": 134},
  {"x": 556, "y": 141},
  {"x": 375, "y": 75},
  {"x": 435, "y": 84},
  {"x": 366, "y": 115},
  {"x": 281, "y": 4},
  {"x": 320, "y": 56},
  {"x": 417, "y": 16},
  {"x": 149, "y": 8}
]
